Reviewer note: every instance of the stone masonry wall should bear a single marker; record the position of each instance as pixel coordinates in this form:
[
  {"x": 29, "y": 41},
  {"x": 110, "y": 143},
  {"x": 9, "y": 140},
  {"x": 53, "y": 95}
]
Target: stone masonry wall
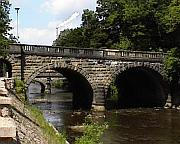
[
  {"x": 28, "y": 132},
  {"x": 99, "y": 73}
]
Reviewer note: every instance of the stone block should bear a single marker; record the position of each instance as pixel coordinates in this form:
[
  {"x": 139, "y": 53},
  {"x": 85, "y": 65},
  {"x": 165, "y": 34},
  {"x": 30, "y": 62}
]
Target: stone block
[
  {"x": 98, "y": 108},
  {"x": 7, "y": 128},
  {"x": 5, "y": 100},
  {"x": 5, "y": 112},
  {"x": 3, "y": 92}
]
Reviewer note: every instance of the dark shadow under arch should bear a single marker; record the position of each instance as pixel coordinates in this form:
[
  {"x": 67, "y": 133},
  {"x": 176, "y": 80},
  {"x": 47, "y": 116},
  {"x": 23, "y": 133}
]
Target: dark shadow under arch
[
  {"x": 42, "y": 86},
  {"x": 81, "y": 88},
  {"x": 5, "y": 68},
  {"x": 141, "y": 87}
]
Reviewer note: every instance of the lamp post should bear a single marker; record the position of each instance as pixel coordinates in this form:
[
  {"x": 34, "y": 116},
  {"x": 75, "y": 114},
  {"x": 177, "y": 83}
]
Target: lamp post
[
  {"x": 57, "y": 32},
  {"x": 17, "y": 10}
]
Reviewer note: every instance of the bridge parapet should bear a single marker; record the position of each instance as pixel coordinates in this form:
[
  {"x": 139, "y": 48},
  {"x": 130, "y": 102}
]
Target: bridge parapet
[
  {"x": 90, "y": 71},
  {"x": 86, "y": 52}
]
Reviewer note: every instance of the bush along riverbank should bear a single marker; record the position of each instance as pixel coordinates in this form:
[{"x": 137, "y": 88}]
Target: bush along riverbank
[{"x": 92, "y": 131}]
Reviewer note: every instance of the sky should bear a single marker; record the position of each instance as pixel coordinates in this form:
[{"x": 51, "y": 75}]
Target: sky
[{"x": 38, "y": 19}]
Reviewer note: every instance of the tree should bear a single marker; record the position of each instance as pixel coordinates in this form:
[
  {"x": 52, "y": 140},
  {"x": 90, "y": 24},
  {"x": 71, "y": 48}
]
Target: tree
[
  {"x": 94, "y": 34},
  {"x": 140, "y": 24},
  {"x": 172, "y": 67},
  {"x": 4, "y": 25},
  {"x": 70, "y": 38},
  {"x": 152, "y": 25},
  {"x": 88, "y": 35}
]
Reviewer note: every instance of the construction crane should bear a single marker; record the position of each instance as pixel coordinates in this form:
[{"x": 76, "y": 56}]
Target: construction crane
[{"x": 67, "y": 21}]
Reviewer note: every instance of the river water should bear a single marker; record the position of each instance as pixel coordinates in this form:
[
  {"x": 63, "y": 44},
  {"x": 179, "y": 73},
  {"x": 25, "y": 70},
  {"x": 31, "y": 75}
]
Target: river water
[{"x": 126, "y": 126}]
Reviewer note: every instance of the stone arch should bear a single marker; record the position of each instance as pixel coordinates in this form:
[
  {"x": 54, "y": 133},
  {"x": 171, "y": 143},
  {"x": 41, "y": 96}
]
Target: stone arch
[
  {"x": 158, "y": 67},
  {"x": 67, "y": 70},
  {"x": 59, "y": 65},
  {"x": 8, "y": 58},
  {"x": 8, "y": 62},
  {"x": 43, "y": 85},
  {"x": 147, "y": 71}
]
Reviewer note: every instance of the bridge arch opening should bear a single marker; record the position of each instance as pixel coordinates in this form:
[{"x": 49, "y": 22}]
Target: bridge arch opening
[
  {"x": 78, "y": 85},
  {"x": 35, "y": 85},
  {"x": 5, "y": 68},
  {"x": 140, "y": 87}
]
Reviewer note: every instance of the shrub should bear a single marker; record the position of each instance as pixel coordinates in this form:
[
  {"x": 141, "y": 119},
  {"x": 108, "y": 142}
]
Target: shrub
[
  {"x": 92, "y": 132},
  {"x": 19, "y": 86},
  {"x": 113, "y": 92}
]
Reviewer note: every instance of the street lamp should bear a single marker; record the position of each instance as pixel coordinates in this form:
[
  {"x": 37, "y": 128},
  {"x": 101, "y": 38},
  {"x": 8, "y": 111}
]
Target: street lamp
[{"x": 17, "y": 10}]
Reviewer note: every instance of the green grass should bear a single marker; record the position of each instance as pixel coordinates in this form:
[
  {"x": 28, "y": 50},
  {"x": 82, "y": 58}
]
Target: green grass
[
  {"x": 19, "y": 86},
  {"x": 49, "y": 132},
  {"x": 92, "y": 133}
]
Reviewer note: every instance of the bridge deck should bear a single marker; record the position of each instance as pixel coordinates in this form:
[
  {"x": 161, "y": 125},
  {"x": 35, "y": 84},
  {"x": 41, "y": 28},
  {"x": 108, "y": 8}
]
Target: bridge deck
[{"x": 85, "y": 52}]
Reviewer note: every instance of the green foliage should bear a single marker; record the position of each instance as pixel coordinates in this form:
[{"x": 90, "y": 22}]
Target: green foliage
[
  {"x": 172, "y": 63},
  {"x": 57, "y": 84},
  {"x": 88, "y": 35},
  {"x": 92, "y": 133},
  {"x": 146, "y": 25},
  {"x": 113, "y": 92},
  {"x": 169, "y": 16},
  {"x": 19, "y": 86},
  {"x": 4, "y": 26},
  {"x": 124, "y": 43},
  {"x": 49, "y": 132},
  {"x": 70, "y": 38},
  {"x": 128, "y": 24}
]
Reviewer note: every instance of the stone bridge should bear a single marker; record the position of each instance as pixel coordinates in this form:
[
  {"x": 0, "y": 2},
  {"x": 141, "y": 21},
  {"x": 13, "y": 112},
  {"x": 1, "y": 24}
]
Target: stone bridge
[{"x": 91, "y": 71}]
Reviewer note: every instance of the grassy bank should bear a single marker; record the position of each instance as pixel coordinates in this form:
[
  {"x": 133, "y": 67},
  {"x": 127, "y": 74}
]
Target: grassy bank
[
  {"x": 92, "y": 130},
  {"x": 52, "y": 136}
]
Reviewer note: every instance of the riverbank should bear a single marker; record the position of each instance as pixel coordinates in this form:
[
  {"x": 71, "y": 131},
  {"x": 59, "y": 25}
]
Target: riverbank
[{"x": 32, "y": 126}]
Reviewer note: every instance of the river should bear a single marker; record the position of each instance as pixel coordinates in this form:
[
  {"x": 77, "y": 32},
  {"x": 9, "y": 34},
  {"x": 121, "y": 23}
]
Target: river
[{"x": 126, "y": 126}]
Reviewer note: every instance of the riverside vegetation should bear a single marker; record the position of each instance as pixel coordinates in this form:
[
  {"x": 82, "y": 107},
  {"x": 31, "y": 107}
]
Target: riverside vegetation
[
  {"x": 147, "y": 25},
  {"x": 92, "y": 130},
  {"x": 49, "y": 132}
]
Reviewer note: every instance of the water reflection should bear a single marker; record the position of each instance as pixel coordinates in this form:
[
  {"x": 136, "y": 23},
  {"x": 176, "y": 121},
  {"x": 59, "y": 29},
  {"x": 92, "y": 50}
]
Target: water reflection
[
  {"x": 55, "y": 106},
  {"x": 128, "y": 126},
  {"x": 143, "y": 126}
]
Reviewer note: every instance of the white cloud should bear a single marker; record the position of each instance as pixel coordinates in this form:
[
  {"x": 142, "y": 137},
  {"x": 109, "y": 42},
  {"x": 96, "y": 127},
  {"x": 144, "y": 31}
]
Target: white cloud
[
  {"x": 63, "y": 13},
  {"x": 44, "y": 36},
  {"x": 38, "y": 36},
  {"x": 69, "y": 20},
  {"x": 16, "y": 3},
  {"x": 35, "y": 36},
  {"x": 64, "y": 6}
]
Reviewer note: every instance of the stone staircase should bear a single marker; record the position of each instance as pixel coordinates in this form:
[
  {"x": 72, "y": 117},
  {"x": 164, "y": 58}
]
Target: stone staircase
[{"x": 7, "y": 124}]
